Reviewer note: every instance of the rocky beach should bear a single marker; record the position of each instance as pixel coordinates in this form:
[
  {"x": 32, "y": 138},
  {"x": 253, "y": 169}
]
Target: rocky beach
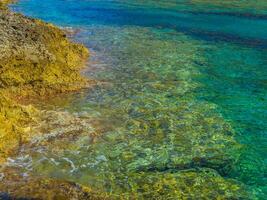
[
  {"x": 156, "y": 129},
  {"x": 37, "y": 60}
]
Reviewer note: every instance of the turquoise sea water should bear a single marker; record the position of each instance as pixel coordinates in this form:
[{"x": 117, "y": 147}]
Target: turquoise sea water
[{"x": 181, "y": 87}]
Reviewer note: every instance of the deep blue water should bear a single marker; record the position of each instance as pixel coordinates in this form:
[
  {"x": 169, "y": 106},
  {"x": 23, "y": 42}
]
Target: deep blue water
[{"x": 226, "y": 69}]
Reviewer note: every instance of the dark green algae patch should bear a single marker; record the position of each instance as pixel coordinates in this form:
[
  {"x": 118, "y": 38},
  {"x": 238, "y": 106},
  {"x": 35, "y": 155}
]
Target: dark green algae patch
[{"x": 161, "y": 144}]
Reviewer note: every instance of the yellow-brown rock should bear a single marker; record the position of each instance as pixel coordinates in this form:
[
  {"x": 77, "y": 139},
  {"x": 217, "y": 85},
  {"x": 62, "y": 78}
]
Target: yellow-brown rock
[
  {"x": 14, "y": 120},
  {"x": 36, "y": 59},
  {"x": 38, "y": 55},
  {"x": 3, "y": 3}
]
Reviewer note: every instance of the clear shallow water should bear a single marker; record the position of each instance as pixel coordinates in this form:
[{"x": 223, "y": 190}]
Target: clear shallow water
[{"x": 184, "y": 86}]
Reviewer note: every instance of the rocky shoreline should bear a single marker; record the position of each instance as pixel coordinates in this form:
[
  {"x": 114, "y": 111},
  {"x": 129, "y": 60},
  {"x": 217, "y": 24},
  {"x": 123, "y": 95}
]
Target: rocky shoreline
[{"x": 36, "y": 60}]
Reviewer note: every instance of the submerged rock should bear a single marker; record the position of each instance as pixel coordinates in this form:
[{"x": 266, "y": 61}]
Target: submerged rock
[
  {"x": 163, "y": 124},
  {"x": 24, "y": 186},
  {"x": 190, "y": 184},
  {"x": 196, "y": 137},
  {"x": 187, "y": 184}
]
